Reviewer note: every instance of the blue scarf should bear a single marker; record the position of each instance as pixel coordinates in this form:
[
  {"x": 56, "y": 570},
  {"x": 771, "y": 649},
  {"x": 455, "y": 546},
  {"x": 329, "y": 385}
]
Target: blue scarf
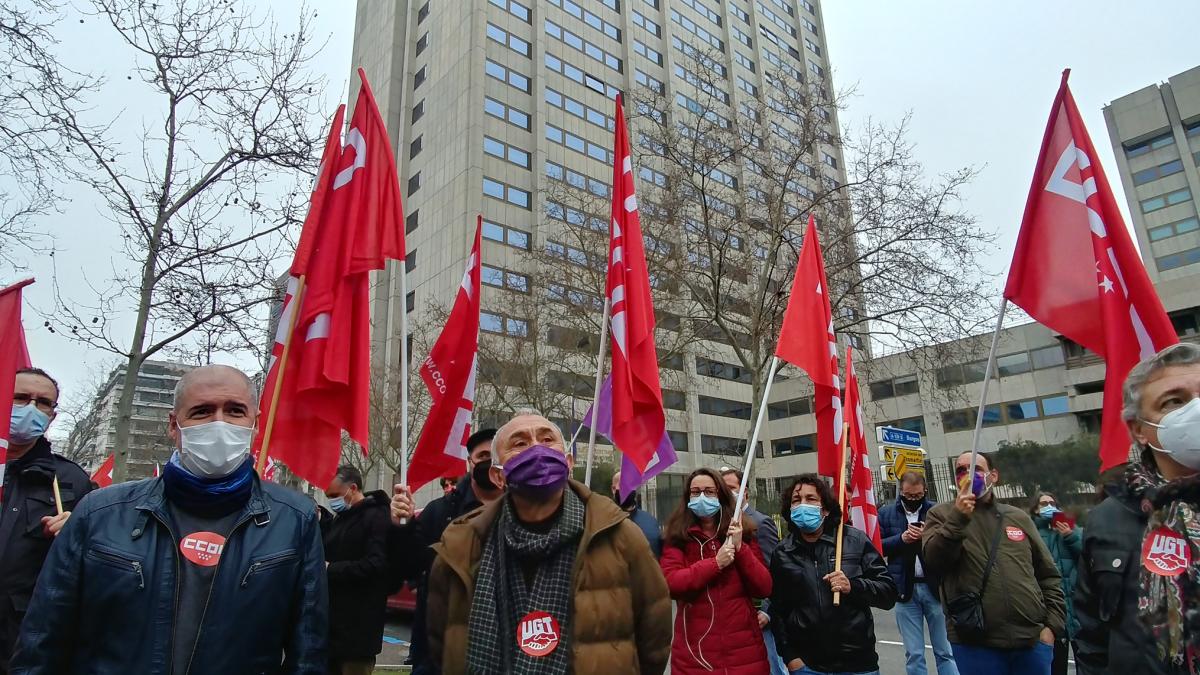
[{"x": 207, "y": 497}]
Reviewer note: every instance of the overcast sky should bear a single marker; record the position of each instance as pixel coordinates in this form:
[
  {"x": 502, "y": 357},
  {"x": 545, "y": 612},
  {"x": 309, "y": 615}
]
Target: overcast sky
[{"x": 978, "y": 78}]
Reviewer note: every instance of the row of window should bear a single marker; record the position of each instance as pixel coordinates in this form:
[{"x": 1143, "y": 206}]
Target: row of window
[
  {"x": 502, "y": 324},
  {"x": 513, "y": 7},
  {"x": 649, "y": 82},
  {"x": 724, "y": 407},
  {"x": 514, "y": 116},
  {"x": 575, "y": 179},
  {"x": 575, "y": 217},
  {"x": 557, "y": 65},
  {"x": 502, "y": 278},
  {"x": 1155, "y": 172},
  {"x": 789, "y": 408},
  {"x": 1009, "y": 364},
  {"x": 581, "y": 145},
  {"x": 697, "y": 30},
  {"x": 691, "y": 54},
  {"x": 576, "y": 256},
  {"x": 651, "y": 27},
  {"x": 896, "y": 386},
  {"x": 506, "y": 152},
  {"x": 1012, "y": 412},
  {"x": 777, "y": 20},
  {"x": 796, "y": 445},
  {"x": 506, "y": 75},
  {"x": 703, "y": 10},
  {"x": 578, "y": 109},
  {"x": 505, "y": 234},
  {"x": 741, "y": 36},
  {"x": 499, "y": 35},
  {"x": 506, "y": 193},
  {"x": 651, "y": 55},
  {"x": 701, "y": 84},
  {"x": 1174, "y": 260},
  {"x": 593, "y": 51},
  {"x": 573, "y": 296},
  {"x": 725, "y": 371},
  {"x": 1172, "y": 229},
  {"x": 1163, "y": 201},
  {"x": 1138, "y": 149},
  {"x": 590, "y": 19},
  {"x": 777, "y": 61}
]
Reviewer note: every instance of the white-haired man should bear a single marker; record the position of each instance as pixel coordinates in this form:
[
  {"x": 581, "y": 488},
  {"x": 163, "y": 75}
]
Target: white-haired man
[{"x": 202, "y": 570}]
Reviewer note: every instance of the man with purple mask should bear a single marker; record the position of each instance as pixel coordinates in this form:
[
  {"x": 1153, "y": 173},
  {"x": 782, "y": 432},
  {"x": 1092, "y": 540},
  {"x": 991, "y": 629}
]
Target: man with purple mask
[{"x": 551, "y": 578}]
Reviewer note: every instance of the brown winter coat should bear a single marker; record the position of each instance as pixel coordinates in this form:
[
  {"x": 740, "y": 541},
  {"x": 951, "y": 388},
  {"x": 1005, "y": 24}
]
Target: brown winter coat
[{"x": 622, "y": 609}]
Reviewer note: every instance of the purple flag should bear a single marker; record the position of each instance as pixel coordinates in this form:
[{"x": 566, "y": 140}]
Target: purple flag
[{"x": 631, "y": 478}]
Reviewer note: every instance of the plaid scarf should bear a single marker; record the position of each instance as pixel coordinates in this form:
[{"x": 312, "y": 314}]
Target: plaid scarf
[
  {"x": 1170, "y": 606},
  {"x": 502, "y": 597}
]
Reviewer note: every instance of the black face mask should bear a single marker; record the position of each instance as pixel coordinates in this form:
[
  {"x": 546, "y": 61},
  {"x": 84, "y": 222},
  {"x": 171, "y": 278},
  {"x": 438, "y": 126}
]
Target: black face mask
[
  {"x": 912, "y": 505},
  {"x": 480, "y": 474}
]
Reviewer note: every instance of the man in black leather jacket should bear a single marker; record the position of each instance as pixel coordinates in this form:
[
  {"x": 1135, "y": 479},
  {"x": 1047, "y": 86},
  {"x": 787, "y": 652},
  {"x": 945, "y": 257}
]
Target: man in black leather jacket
[
  {"x": 203, "y": 570},
  {"x": 30, "y": 522}
]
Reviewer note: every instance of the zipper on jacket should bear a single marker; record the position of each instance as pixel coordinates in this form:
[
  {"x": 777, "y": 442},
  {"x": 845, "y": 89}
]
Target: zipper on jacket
[
  {"x": 120, "y": 561},
  {"x": 267, "y": 563}
]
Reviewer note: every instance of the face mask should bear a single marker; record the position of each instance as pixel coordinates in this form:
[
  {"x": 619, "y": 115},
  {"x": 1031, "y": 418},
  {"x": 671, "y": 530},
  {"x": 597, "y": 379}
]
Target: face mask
[
  {"x": 27, "y": 424},
  {"x": 538, "y": 473},
  {"x": 1179, "y": 434},
  {"x": 214, "y": 449},
  {"x": 979, "y": 484},
  {"x": 629, "y": 503},
  {"x": 807, "y": 517},
  {"x": 338, "y": 504},
  {"x": 704, "y": 506},
  {"x": 912, "y": 505},
  {"x": 481, "y": 474},
  {"x": 1048, "y": 511}
]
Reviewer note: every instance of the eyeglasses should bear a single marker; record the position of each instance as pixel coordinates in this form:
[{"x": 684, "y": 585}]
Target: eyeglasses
[
  {"x": 1047, "y": 502},
  {"x": 44, "y": 404},
  {"x": 707, "y": 492}
]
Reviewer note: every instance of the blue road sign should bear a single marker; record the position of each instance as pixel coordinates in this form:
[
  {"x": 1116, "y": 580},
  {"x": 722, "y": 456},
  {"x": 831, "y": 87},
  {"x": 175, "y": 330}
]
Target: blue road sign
[{"x": 894, "y": 436}]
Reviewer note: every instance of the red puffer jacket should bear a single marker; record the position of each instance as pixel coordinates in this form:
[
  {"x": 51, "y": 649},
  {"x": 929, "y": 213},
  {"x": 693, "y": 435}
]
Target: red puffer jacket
[{"x": 716, "y": 626}]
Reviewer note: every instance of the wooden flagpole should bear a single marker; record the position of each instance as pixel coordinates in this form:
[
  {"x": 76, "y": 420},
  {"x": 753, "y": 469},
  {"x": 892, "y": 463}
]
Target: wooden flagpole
[
  {"x": 837, "y": 563},
  {"x": 403, "y": 449},
  {"x": 987, "y": 378},
  {"x": 279, "y": 373},
  {"x": 762, "y": 410},
  {"x": 587, "y": 472},
  {"x": 57, "y": 495}
]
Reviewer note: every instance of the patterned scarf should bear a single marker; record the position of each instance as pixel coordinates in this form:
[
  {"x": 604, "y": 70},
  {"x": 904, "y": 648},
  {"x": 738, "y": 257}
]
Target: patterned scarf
[
  {"x": 502, "y": 597},
  {"x": 1170, "y": 606}
]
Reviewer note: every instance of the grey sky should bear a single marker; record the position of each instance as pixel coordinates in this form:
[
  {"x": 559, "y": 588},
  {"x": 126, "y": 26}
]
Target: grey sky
[{"x": 978, "y": 77}]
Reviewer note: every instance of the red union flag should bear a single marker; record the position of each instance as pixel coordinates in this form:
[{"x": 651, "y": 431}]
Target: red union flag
[
  {"x": 103, "y": 474},
  {"x": 449, "y": 374},
  {"x": 355, "y": 223},
  {"x": 637, "y": 412},
  {"x": 14, "y": 355},
  {"x": 806, "y": 341},
  {"x": 864, "y": 514},
  {"x": 1076, "y": 271}
]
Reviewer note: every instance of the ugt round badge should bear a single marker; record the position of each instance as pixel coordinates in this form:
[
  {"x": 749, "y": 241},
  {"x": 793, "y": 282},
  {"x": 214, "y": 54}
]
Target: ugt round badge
[
  {"x": 1165, "y": 553},
  {"x": 537, "y": 634}
]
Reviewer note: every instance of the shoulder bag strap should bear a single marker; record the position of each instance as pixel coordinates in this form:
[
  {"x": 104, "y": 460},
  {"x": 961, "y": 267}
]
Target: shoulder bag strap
[{"x": 991, "y": 561}]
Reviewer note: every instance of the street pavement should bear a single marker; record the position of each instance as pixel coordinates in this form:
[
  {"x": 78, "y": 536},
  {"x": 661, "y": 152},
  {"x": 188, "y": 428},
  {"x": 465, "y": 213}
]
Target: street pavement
[{"x": 889, "y": 646}]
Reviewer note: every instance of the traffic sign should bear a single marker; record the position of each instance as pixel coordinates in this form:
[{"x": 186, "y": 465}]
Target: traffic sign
[
  {"x": 909, "y": 459},
  {"x": 897, "y": 436}
]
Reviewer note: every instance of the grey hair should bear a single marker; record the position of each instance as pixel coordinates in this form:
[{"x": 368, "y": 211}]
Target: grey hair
[
  {"x": 1182, "y": 354},
  {"x": 521, "y": 412},
  {"x": 185, "y": 381}
]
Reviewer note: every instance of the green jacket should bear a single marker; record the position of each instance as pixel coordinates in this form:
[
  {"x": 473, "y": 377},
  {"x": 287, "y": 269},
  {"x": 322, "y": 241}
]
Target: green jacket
[
  {"x": 1024, "y": 593},
  {"x": 1065, "y": 552}
]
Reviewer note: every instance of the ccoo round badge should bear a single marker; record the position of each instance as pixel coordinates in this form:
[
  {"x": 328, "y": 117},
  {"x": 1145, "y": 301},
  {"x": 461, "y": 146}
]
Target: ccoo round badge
[
  {"x": 202, "y": 548},
  {"x": 537, "y": 634},
  {"x": 1166, "y": 553}
]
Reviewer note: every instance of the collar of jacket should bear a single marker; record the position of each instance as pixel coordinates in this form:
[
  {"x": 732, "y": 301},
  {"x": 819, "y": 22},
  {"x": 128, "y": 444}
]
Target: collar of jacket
[
  {"x": 149, "y": 499},
  {"x": 38, "y": 459},
  {"x": 461, "y": 548}
]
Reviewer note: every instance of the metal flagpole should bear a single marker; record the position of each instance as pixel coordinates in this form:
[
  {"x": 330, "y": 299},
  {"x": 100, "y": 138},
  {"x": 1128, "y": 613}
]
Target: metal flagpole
[
  {"x": 280, "y": 371},
  {"x": 403, "y": 377},
  {"x": 987, "y": 378},
  {"x": 587, "y": 473},
  {"x": 762, "y": 411}
]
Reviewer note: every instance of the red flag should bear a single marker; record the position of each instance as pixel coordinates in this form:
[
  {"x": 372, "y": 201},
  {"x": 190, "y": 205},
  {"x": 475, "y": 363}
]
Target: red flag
[
  {"x": 449, "y": 374},
  {"x": 1076, "y": 271},
  {"x": 14, "y": 355},
  {"x": 103, "y": 475},
  {"x": 637, "y": 408},
  {"x": 806, "y": 340},
  {"x": 355, "y": 223},
  {"x": 863, "y": 513}
]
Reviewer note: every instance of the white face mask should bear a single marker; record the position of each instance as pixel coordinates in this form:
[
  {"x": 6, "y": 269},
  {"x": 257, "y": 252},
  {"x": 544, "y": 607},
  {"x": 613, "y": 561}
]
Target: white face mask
[
  {"x": 214, "y": 449},
  {"x": 1179, "y": 434}
]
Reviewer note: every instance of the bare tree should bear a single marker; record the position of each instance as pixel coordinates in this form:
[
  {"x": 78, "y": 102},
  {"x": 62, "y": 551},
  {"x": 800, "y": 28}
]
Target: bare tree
[
  {"x": 80, "y": 415},
  {"x": 205, "y": 196}
]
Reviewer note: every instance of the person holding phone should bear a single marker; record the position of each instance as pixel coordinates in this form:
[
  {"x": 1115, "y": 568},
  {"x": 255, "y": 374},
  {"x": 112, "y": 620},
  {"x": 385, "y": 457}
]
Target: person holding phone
[
  {"x": 917, "y": 604},
  {"x": 1065, "y": 542}
]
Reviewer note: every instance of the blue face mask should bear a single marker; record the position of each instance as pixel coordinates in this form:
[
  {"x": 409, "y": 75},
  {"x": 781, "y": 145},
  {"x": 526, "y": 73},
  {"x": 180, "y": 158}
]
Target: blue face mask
[
  {"x": 337, "y": 504},
  {"x": 807, "y": 517},
  {"x": 704, "y": 506},
  {"x": 27, "y": 424},
  {"x": 1048, "y": 511}
]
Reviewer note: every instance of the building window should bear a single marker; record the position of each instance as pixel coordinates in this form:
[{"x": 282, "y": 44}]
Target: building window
[
  {"x": 575, "y": 217},
  {"x": 410, "y": 303},
  {"x": 1163, "y": 201},
  {"x": 812, "y": 46},
  {"x": 722, "y": 445},
  {"x": 411, "y": 222},
  {"x": 650, "y": 54},
  {"x": 422, "y": 13},
  {"x": 699, "y": 31},
  {"x": 722, "y": 370},
  {"x": 1155, "y": 172},
  {"x": 557, "y": 65},
  {"x": 1138, "y": 149},
  {"x": 695, "y": 56},
  {"x": 1174, "y": 260},
  {"x": 747, "y": 86},
  {"x": 1055, "y": 405},
  {"x": 579, "y": 109},
  {"x": 790, "y": 408},
  {"x": 419, "y": 77},
  {"x": 422, "y": 44},
  {"x": 674, "y": 400},
  {"x": 500, "y": 278},
  {"x": 578, "y": 144},
  {"x": 508, "y": 193},
  {"x": 679, "y": 440},
  {"x": 513, "y": 7},
  {"x": 414, "y": 148},
  {"x": 506, "y": 152},
  {"x": 577, "y": 180},
  {"x": 509, "y": 236},
  {"x": 499, "y": 35},
  {"x": 510, "y": 77},
  {"x": 704, "y": 11},
  {"x": 414, "y": 183},
  {"x": 897, "y": 386},
  {"x": 501, "y": 324},
  {"x": 744, "y": 60},
  {"x": 710, "y": 405},
  {"x": 1172, "y": 229},
  {"x": 1047, "y": 357},
  {"x": 796, "y": 445},
  {"x": 513, "y": 116},
  {"x": 916, "y": 424},
  {"x": 590, "y": 19},
  {"x": 649, "y": 82},
  {"x": 739, "y": 13},
  {"x": 812, "y": 27},
  {"x": 1013, "y": 364},
  {"x": 576, "y": 256},
  {"x": 418, "y": 110},
  {"x": 410, "y": 261},
  {"x": 640, "y": 19},
  {"x": 591, "y": 49}
]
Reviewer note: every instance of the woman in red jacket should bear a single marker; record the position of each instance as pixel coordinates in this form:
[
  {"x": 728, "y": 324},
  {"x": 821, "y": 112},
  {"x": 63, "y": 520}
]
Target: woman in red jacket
[{"x": 714, "y": 570}]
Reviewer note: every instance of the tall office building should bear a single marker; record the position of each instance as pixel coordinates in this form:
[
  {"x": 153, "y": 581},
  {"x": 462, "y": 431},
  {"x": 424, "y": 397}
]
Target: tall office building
[{"x": 493, "y": 105}]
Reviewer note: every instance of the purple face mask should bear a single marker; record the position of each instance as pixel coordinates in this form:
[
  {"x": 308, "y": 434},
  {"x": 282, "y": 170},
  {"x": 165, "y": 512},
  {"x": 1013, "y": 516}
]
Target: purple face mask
[{"x": 537, "y": 473}]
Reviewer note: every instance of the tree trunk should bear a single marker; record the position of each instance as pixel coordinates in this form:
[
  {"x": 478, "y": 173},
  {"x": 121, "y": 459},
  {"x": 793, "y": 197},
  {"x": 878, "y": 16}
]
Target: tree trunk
[{"x": 124, "y": 420}]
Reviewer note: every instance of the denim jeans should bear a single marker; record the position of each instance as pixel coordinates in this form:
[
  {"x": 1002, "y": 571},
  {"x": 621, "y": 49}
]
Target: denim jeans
[
  {"x": 986, "y": 661},
  {"x": 911, "y": 618},
  {"x": 777, "y": 665},
  {"x": 809, "y": 671}
]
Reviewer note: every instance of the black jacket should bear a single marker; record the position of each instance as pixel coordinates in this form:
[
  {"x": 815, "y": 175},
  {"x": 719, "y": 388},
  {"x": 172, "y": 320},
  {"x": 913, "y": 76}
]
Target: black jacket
[
  {"x": 804, "y": 620},
  {"x": 356, "y": 549},
  {"x": 1111, "y": 638},
  {"x": 105, "y": 603},
  {"x": 902, "y": 557},
  {"x": 23, "y": 541}
]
